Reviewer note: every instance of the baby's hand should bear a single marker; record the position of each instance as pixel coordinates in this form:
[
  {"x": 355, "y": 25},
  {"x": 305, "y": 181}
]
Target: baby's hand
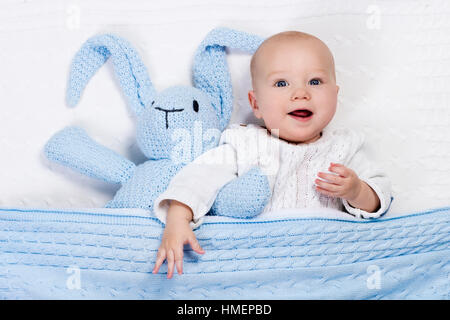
[
  {"x": 345, "y": 185},
  {"x": 176, "y": 234}
]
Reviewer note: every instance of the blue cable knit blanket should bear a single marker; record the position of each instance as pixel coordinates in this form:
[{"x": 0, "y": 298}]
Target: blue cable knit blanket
[{"x": 109, "y": 254}]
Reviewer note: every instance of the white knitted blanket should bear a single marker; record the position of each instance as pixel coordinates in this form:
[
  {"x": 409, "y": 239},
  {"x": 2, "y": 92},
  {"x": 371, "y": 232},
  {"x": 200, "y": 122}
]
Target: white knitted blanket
[{"x": 392, "y": 60}]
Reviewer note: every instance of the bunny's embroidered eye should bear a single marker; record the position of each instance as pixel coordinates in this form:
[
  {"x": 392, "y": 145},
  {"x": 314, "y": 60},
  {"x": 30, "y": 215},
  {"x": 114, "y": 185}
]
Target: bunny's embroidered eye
[
  {"x": 153, "y": 102},
  {"x": 195, "y": 105}
]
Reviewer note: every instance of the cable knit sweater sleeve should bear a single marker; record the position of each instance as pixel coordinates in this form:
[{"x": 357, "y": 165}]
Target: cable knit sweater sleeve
[
  {"x": 375, "y": 178},
  {"x": 198, "y": 183}
]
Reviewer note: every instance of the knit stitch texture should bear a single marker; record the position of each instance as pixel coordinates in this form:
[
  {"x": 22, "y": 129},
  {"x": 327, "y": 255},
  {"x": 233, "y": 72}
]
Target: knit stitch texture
[{"x": 113, "y": 251}]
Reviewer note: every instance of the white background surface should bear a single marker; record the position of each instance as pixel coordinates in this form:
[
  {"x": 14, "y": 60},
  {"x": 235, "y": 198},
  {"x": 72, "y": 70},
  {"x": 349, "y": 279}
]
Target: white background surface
[{"x": 392, "y": 61}]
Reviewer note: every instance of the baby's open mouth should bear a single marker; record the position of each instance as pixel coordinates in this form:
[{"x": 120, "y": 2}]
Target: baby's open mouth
[{"x": 302, "y": 113}]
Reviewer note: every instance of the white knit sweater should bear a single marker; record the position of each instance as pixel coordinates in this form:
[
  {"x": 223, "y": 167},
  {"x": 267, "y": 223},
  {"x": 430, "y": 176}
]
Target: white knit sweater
[{"x": 291, "y": 170}]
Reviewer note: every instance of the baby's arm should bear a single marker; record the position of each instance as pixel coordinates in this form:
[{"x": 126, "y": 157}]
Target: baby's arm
[
  {"x": 189, "y": 196},
  {"x": 364, "y": 189},
  {"x": 348, "y": 186},
  {"x": 177, "y": 233},
  {"x": 376, "y": 186},
  {"x": 366, "y": 199},
  {"x": 198, "y": 183}
]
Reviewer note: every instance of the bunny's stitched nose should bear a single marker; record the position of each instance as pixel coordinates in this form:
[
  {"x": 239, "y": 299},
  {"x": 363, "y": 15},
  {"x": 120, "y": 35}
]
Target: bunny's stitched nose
[{"x": 167, "y": 113}]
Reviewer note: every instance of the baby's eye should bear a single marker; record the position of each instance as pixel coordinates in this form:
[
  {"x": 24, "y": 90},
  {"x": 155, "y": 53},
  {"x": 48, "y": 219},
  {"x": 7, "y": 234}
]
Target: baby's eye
[
  {"x": 282, "y": 83},
  {"x": 314, "y": 82}
]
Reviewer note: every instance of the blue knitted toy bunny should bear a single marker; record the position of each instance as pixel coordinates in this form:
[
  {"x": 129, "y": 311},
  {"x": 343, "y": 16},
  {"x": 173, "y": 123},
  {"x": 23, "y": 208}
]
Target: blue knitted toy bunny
[{"x": 173, "y": 114}]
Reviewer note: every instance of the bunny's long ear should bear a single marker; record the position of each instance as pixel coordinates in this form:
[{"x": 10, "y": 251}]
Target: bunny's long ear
[
  {"x": 210, "y": 70},
  {"x": 128, "y": 66}
]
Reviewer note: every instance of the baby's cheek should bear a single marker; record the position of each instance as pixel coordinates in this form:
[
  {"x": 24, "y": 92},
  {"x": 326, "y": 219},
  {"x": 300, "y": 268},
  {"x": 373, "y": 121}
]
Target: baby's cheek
[{"x": 331, "y": 99}]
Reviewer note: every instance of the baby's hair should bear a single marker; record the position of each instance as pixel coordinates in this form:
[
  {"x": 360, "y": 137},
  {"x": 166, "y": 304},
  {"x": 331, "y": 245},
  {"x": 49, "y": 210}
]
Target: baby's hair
[{"x": 285, "y": 36}]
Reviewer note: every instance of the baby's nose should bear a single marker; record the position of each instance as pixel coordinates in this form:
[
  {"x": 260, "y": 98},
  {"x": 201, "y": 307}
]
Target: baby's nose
[{"x": 300, "y": 93}]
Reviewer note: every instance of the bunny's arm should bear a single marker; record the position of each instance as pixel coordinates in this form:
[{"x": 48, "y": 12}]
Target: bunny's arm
[
  {"x": 73, "y": 148},
  {"x": 244, "y": 197}
]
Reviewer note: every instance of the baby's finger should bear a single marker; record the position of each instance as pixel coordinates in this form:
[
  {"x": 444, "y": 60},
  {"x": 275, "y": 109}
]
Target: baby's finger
[
  {"x": 327, "y": 186},
  {"x": 161, "y": 256},
  {"x": 339, "y": 169},
  {"x": 332, "y": 178},
  {"x": 195, "y": 245},
  {"x": 179, "y": 261},
  {"x": 170, "y": 260}
]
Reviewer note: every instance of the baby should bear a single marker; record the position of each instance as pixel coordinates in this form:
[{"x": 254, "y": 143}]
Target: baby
[{"x": 295, "y": 94}]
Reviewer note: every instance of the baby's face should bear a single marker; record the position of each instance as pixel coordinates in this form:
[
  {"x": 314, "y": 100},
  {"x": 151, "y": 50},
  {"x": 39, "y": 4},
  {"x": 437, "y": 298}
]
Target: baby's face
[{"x": 290, "y": 76}]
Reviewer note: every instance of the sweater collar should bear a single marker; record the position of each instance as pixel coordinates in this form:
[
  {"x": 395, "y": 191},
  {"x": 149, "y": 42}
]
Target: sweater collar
[{"x": 324, "y": 138}]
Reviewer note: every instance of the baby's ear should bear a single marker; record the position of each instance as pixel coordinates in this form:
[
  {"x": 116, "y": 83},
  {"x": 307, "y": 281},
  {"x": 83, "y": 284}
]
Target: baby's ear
[
  {"x": 253, "y": 104},
  {"x": 337, "y": 89}
]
